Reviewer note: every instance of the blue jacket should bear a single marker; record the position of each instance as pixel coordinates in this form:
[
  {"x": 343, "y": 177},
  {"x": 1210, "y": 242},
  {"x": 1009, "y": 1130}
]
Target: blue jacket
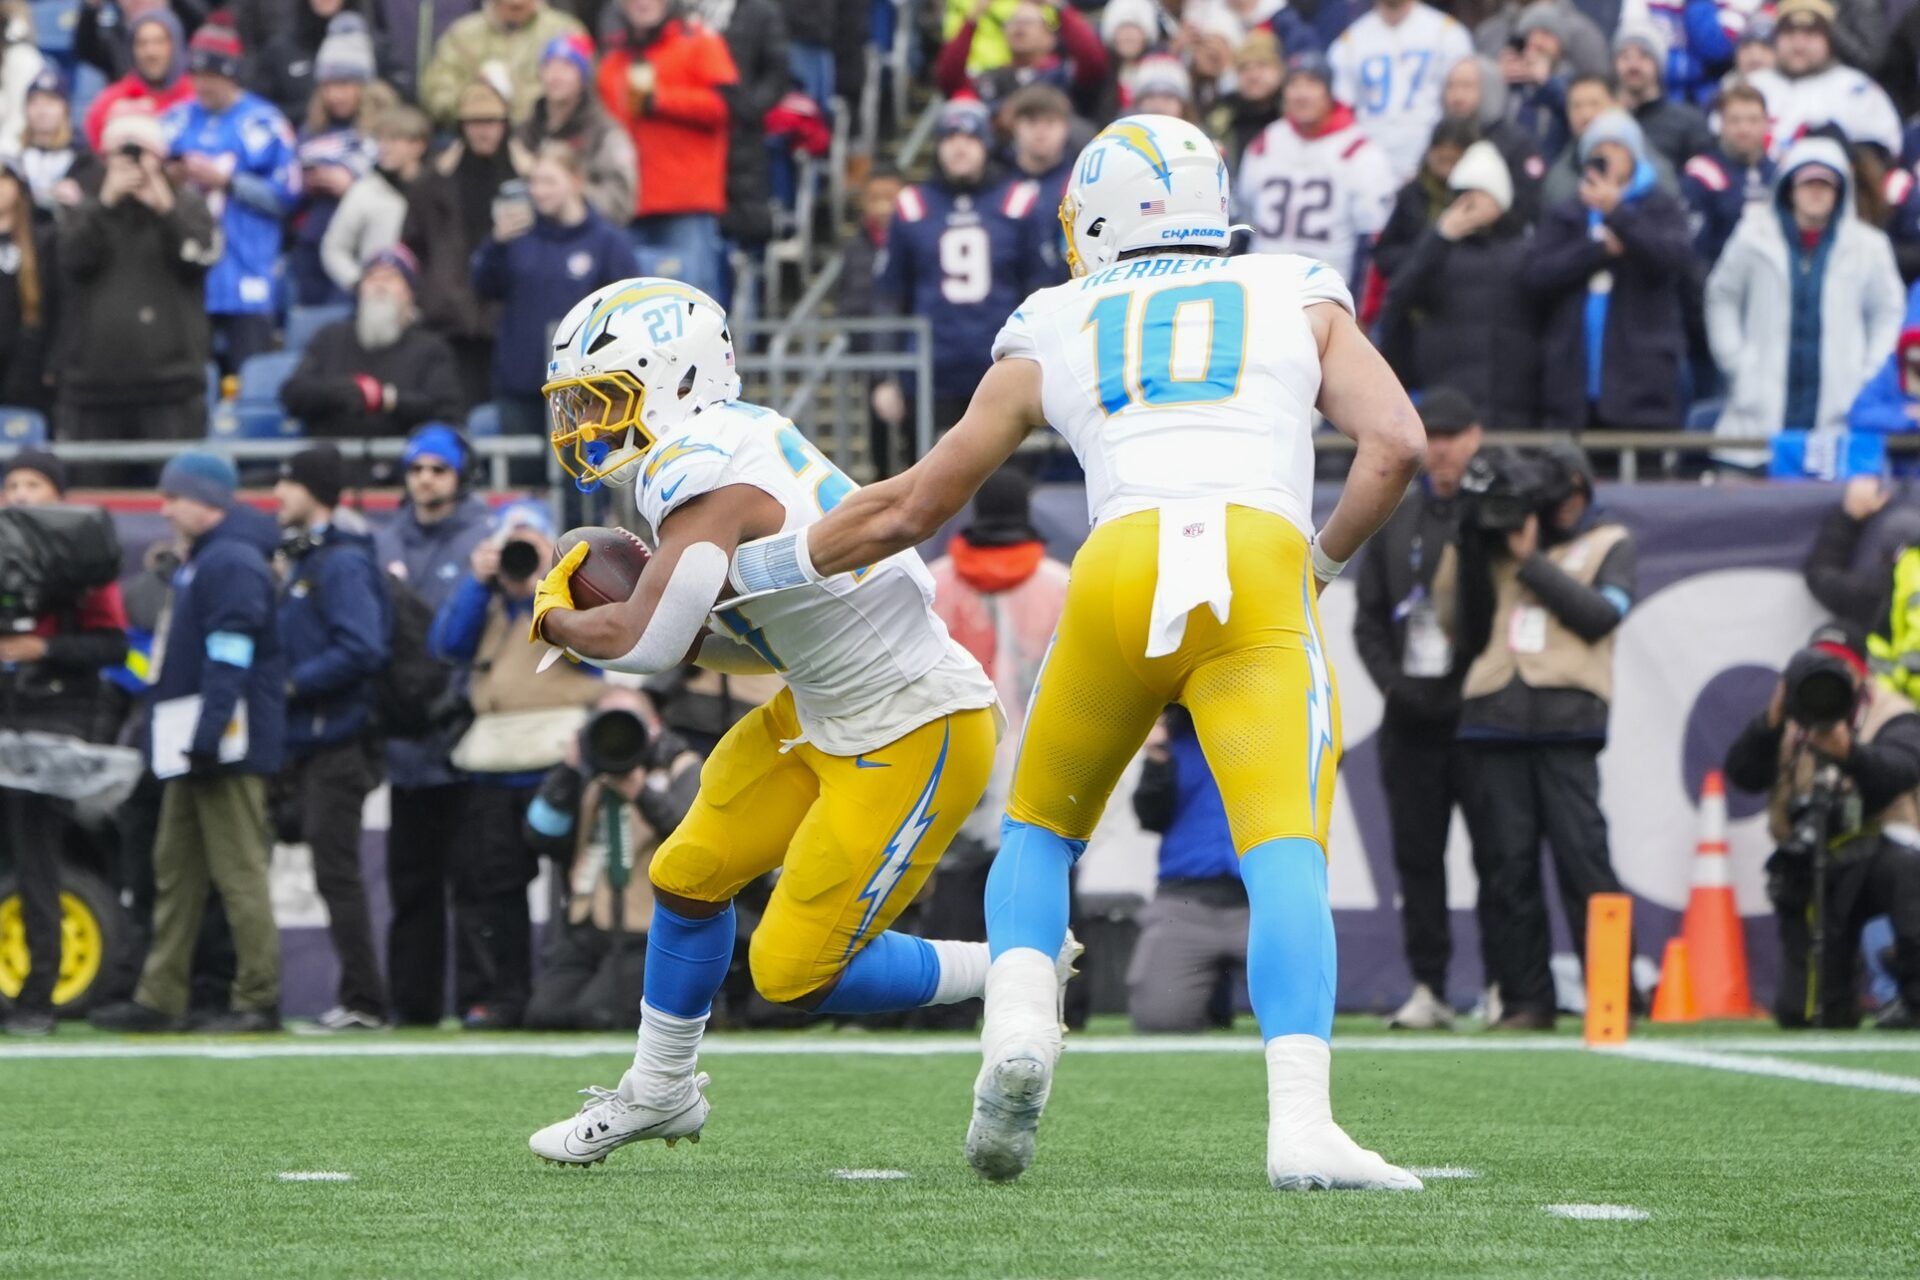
[
  {"x": 335, "y": 629},
  {"x": 432, "y": 560},
  {"x": 222, "y": 643},
  {"x": 540, "y": 275},
  {"x": 1882, "y": 404},
  {"x": 252, "y": 208},
  {"x": 1197, "y": 843}
]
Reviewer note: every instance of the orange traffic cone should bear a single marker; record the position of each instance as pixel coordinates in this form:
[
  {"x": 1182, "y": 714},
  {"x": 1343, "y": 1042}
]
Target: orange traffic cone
[
  {"x": 1715, "y": 947},
  {"x": 1674, "y": 1001}
]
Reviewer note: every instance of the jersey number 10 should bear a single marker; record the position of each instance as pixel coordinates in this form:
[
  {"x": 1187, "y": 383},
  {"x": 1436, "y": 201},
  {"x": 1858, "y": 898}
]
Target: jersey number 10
[{"x": 1134, "y": 351}]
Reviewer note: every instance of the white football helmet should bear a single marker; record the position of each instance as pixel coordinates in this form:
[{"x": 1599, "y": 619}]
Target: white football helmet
[
  {"x": 631, "y": 362},
  {"x": 1144, "y": 181}
]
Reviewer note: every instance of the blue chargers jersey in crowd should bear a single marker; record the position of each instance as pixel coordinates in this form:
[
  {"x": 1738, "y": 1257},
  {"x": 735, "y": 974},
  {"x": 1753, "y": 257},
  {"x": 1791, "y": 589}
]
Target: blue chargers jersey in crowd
[
  {"x": 251, "y": 209},
  {"x": 965, "y": 260}
]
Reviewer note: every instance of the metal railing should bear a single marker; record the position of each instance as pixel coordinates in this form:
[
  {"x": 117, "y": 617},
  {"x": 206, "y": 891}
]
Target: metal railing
[{"x": 816, "y": 374}]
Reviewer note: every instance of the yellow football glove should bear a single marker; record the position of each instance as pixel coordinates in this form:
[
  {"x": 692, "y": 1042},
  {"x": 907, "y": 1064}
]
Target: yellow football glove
[{"x": 556, "y": 589}]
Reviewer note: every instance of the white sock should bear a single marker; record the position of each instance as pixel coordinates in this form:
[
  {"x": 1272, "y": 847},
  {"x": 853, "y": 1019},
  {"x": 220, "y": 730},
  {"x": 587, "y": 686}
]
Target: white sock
[
  {"x": 963, "y": 970},
  {"x": 1023, "y": 1004},
  {"x": 663, "y": 1058},
  {"x": 1298, "y": 1097}
]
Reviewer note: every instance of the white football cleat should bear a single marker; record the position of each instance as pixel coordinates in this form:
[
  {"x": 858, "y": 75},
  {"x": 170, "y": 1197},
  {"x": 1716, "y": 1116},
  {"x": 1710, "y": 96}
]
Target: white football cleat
[
  {"x": 608, "y": 1121},
  {"x": 1021, "y": 1037},
  {"x": 1423, "y": 1011},
  {"x": 1064, "y": 972},
  {"x": 1306, "y": 1150}
]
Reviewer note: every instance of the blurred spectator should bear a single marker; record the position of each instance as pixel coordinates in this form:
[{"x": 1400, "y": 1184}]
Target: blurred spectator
[
  {"x": 544, "y": 256},
  {"x": 522, "y": 724},
  {"x": 1161, "y": 86},
  {"x": 665, "y": 79},
  {"x": 827, "y": 43},
  {"x": 20, "y": 65},
  {"x": 424, "y": 551},
  {"x": 857, "y": 296},
  {"x": 334, "y": 631},
  {"x": 379, "y": 373},
  {"x": 1389, "y": 66},
  {"x": 1000, "y": 595},
  {"x": 1721, "y": 182},
  {"x": 1476, "y": 92},
  {"x": 1042, "y": 122},
  {"x": 1129, "y": 29},
  {"x": 315, "y": 35},
  {"x": 1238, "y": 117},
  {"x": 60, "y": 167},
  {"x": 1312, "y": 183},
  {"x": 220, "y": 647},
  {"x": 1887, "y": 197},
  {"x": 337, "y": 147},
  {"x": 1193, "y": 934},
  {"x": 1402, "y": 633},
  {"x": 1848, "y": 573},
  {"x": 575, "y": 819},
  {"x": 30, "y": 295},
  {"x": 1302, "y": 26},
  {"x": 1503, "y": 34},
  {"x": 1046, "y": 43},
  {"x": 1539, "y": 607},
  {"x": 1753, "y": 53},
  {"x": 1421, "y": 201},
  {"x": 157, "y": 75},
  {"x": 1677, "y": 130},
  {"x": 1804, "y": 303},
  {"x": 49, "y": 683},
  {"x": 1463, "y": 291},
  {"x": 449, "y": 215},
  {"x": 756, "y": 36},
  {"x": 1208, "y": 36},
  {"x": 506, "y": 38},
  {"x": 1899, "y": 74},
  {"x": 133, "y": 339},
  {"x": 101, "y": 35},
  {"x": 1589, "y": 97},
  {"x": 1531, "y": 93},
  {"x": 373, "y": 213},
  {"x": 1808, "y": 87},
  {"x": 237, "y": 151},
  {"x": 569, "y": 111},
  {"x": 1608, "y": 269},
  {"x": 962, "y": 253}
]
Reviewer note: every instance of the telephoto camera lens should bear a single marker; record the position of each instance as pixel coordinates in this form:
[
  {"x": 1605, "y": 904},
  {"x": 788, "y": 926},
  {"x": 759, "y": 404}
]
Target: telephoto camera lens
[
  {"x": 519, "y": 560},
  {"x": 613, "y": 742}
]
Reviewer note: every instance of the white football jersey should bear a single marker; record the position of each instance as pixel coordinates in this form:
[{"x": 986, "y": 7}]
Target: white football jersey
[
  {"x": 1318, "y": 197},
  {"x": 1177, "y": 377},
  {"x": 1840, "y": 95},
  {"x": 1391, "y": 75},
  {"x": 863, "y": 652}
]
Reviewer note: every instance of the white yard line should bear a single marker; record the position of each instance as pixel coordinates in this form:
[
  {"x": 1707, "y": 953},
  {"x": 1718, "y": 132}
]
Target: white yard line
[
  {"x": 1597, "y": 1212},
  {"x": 1703, "y": 1051},
  {"x": 314, "y": 1175},
  {"x": 1762, "y": 1064}
]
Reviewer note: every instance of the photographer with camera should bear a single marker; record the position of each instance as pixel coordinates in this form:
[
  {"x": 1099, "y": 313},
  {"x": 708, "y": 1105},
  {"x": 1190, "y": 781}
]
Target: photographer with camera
[
  {"x": 523, "y": 722},
  {"x": 1544, "y": 582},
  {"x": 52, "y": 651},
  {"x": 1839, "y": 756},
  {"x": 624, "y": 787}
]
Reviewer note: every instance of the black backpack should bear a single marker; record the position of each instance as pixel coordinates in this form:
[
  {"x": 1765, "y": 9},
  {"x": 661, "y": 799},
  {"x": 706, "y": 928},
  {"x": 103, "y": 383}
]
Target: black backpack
[{"x": 412, "y": 690}]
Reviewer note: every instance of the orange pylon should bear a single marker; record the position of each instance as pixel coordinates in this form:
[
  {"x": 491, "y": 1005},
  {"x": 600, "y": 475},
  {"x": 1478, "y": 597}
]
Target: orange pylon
[
  {"x": 1674, "y": 1001},
  {"x": 1716, "y": 948}
]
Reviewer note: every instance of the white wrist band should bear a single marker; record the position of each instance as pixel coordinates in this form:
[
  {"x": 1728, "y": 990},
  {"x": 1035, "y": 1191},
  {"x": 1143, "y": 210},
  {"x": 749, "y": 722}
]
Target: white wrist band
[
  {"x": 1325, "y": 567},
  {"x": 772, "y": 564}
]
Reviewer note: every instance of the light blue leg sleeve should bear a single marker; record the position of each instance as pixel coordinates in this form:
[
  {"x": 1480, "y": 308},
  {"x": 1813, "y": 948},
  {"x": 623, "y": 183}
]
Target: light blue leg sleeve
[
  {"x": 894, "y": 971},
  {"x": 1029, "y": 889},
  {"x": 1291, "y": 959},
  {"x": 687, "y": 961}
]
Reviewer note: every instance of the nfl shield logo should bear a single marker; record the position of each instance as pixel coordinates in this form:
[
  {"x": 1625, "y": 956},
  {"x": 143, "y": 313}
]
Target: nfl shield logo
[
  {"x": 1193, "y": 530},
  {"x": 578, "y": 264}
]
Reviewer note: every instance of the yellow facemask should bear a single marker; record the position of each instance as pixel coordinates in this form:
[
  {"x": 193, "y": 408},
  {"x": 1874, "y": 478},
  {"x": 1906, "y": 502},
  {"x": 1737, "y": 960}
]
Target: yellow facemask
[
  {"x": 1069, "y": 213},
  {"x": 603, "y": 407}
]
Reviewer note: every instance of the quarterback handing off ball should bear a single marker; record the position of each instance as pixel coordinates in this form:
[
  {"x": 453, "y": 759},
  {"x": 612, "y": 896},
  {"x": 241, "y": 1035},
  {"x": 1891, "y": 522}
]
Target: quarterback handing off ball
[{"x": 615, "y": 560}]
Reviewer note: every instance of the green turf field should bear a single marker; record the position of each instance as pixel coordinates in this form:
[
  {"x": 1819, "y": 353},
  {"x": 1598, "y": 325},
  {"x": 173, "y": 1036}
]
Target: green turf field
[{"x": 1150, "y": 1163}]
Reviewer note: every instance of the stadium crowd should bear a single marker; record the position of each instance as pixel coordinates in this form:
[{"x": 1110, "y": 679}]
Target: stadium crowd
[{"x": 1572, "y": 215}]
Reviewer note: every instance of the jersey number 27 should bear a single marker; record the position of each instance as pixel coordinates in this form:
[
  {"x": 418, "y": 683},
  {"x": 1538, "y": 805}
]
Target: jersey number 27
[{"x": 1136, "y": 350}]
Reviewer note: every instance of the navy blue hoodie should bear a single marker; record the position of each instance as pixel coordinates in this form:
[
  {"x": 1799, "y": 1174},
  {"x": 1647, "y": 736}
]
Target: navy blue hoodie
[
  {"x": 221, "y": 639},
  {"x": 336, "y": 629},
  {"x": 540, "y": 275}
]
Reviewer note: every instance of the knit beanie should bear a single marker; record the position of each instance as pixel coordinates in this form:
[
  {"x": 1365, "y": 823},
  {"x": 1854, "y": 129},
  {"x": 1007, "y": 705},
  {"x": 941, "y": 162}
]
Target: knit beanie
[
  {"x": 321, "y": 471},
  {"x": 215, "y": 47},
  {"x": 347, "y": 52},
  {"x": 38, "y": 460},
  {"x": 575, "y": 48},
  {"x": 1481, "y": 167},
  {"x": 132, "y": 123},
  {"x": 206, "y": 478}
]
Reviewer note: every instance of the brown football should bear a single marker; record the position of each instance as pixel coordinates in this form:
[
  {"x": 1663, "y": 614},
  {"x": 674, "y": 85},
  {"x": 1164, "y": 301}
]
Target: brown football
[{"x": 615, "y": 560}]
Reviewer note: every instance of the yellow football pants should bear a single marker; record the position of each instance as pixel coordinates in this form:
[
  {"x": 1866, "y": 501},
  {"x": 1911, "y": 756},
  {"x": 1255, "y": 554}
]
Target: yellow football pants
[
  {"x": 1258, "y": 685},
  {"x": 856, "y": 837}
]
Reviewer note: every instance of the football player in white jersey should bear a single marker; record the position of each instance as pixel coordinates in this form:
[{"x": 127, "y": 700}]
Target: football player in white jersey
[
  {"x": 1186, "y": 382},
  {"x": 1390, "y": 66},
  {"x": 852, "y": 779},
  {"x": 1311, "y": 182}
]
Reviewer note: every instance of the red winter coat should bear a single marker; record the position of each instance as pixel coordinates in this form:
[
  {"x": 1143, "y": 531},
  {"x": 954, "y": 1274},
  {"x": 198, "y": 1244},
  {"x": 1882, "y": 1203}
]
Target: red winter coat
[
  {"x": 680, "y": 131},
  {"x": 130, "y": 88}
]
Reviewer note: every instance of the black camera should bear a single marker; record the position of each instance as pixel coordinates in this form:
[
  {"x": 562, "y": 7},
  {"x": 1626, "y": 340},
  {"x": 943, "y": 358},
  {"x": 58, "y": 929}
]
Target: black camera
[
  {"x": 519, "y": 560},
  {"x": 614, "y": 742},
  {"x": 1502, "y": 487},
  {"x": 50, "y": 556},
  {"x": 1819, "y": 689}
]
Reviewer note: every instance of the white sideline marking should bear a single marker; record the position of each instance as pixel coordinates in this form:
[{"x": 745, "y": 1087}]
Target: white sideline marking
[
  {"x": 1598, "y": 1212},
  {"x": 1760, "y": 1064},
  {"x": 871, "y": 1175},
  {"x": 1441, "y": 1171},
  {"x": 809, "y": 1045},
  {"x": 315, "y": 1175}
]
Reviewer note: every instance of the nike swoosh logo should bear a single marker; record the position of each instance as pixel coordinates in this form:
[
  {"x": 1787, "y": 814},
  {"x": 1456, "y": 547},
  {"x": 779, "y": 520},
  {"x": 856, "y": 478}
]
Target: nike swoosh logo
[
  {"x": 861, "y": 762},
  {"x": 666, "y": 494}
]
